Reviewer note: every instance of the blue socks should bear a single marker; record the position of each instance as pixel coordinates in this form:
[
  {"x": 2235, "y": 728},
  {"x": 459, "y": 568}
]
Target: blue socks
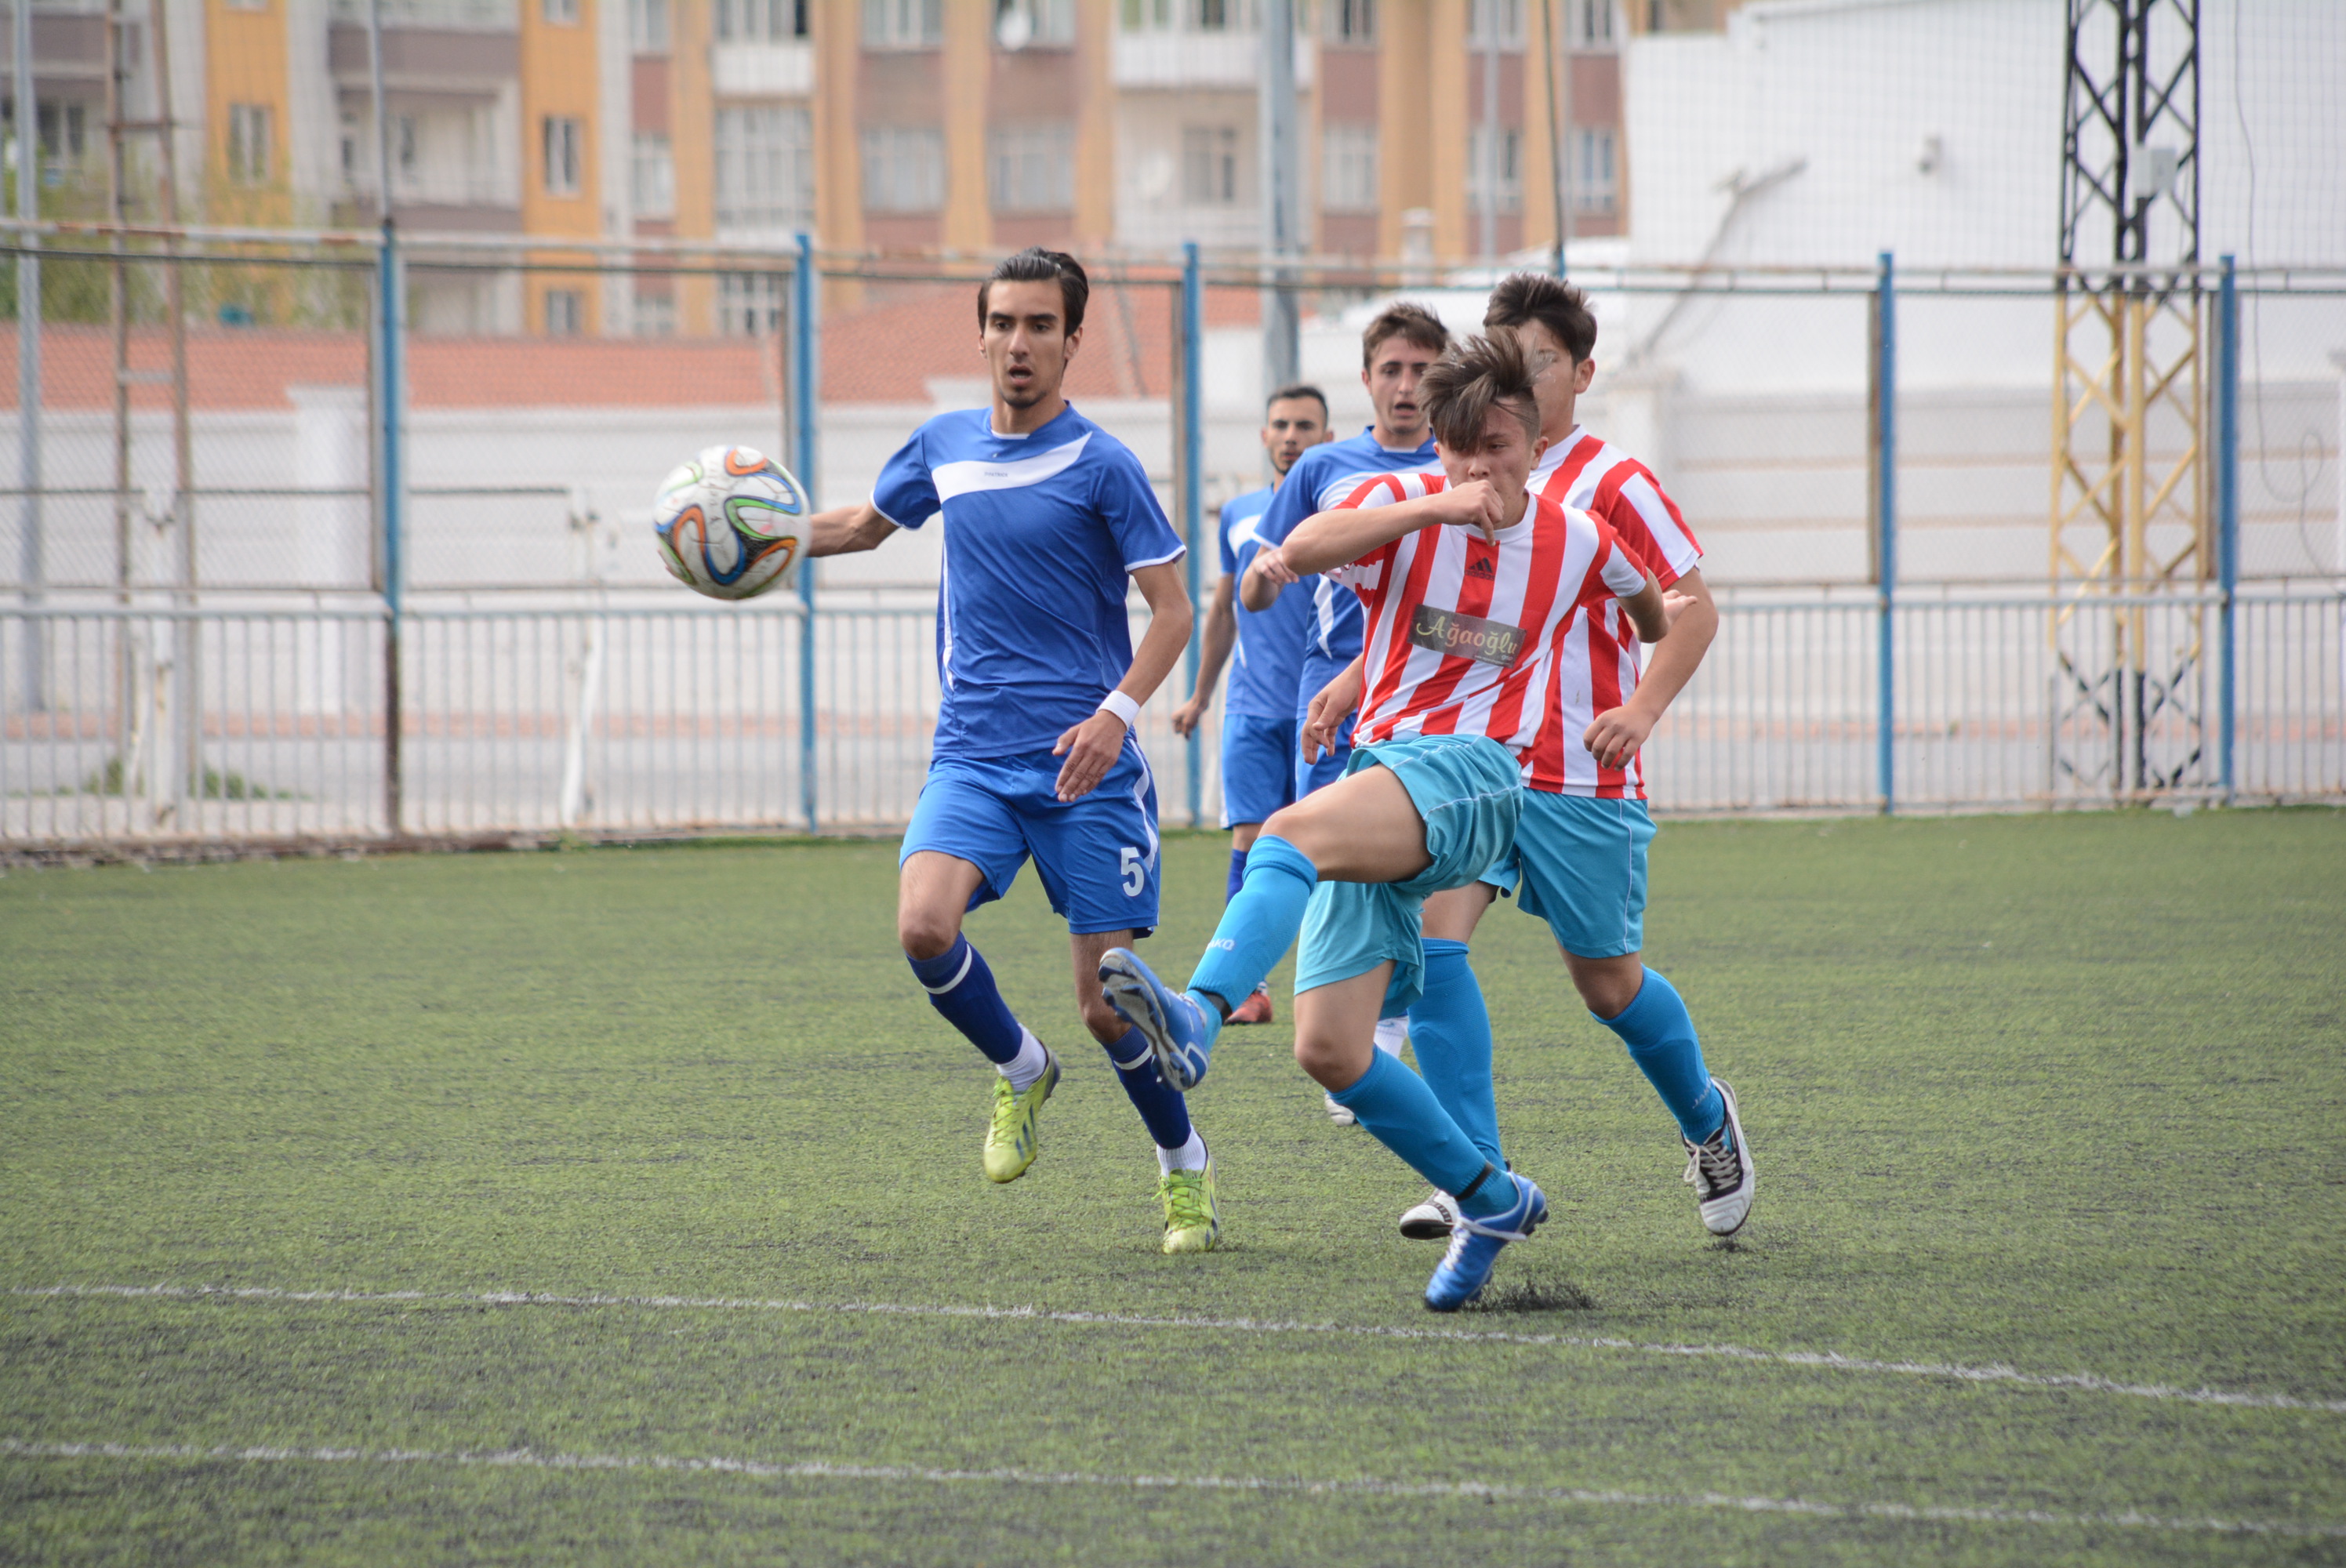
[
  {"x": 960, "y": 987},
  {"x": 1394, "y": 1104},
  {"x": 1451, "y": 1030},
  {"x": 1238, "y": 875},
  {"x": 1660, "y": 1034},
  {"x": 1161, "y": 1106},
  {"x": 1260, "y": 925}
]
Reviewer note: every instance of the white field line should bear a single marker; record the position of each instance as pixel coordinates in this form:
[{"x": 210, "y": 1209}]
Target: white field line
[
  {"x": 825, "y": 1470},
  {"x": 1821, "y": 1360}
]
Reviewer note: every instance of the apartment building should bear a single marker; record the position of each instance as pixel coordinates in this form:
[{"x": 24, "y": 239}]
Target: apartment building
[{"x": 1430, "y": 128}]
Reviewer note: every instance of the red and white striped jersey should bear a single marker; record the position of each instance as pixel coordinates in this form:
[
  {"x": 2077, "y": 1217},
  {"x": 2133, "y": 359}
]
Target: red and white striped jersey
[
  {"x": 1466, "y": 637},
  {"x": 1592, "y": 474}
]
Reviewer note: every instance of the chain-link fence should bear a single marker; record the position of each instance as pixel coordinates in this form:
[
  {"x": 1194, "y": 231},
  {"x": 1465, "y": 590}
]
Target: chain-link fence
[{"x": 230, "y": 610}]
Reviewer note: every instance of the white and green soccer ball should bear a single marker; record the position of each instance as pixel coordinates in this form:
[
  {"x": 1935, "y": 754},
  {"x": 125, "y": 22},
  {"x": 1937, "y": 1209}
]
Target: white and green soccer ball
[{"x": 729, "y": 522}]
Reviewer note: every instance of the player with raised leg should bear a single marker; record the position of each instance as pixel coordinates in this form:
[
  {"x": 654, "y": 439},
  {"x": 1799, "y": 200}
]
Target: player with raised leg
[
  {"x": 1259, "y": 712},
  {"x": 1474, "y": 592},
  {"x": 1045, "y": 515},
  {"x": 1396, "y": 348},
  {"x": 1579, "y": 858}
]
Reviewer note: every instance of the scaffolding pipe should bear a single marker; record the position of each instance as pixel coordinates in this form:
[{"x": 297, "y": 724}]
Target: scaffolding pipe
[{"x": 28, "y": 351}]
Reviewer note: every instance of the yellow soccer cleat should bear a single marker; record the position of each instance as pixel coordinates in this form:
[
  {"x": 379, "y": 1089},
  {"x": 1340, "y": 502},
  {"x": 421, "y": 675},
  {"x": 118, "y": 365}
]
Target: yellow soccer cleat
[
  {"x": 1190, "y": 1225},
  {"x": 1012, "y": 1140}
]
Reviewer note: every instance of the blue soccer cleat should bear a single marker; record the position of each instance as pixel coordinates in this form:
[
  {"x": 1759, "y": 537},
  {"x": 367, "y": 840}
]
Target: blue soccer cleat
[
  {"x": 1475, "y": 1246},
  {"x": 1179, "y": 1033}
]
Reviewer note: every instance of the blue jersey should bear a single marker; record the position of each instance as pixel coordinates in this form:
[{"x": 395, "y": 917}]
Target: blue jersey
[
  {"x": 1042, "y": 531},
  {"x": 1270, "y": 654},
  {"x": 1321, "y": 479}
]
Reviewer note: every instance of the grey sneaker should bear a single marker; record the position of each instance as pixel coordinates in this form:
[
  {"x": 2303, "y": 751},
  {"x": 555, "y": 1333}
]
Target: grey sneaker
[
  {"x": 1431, "y": 1220},
  {"x": 1721, "y": 1172}
]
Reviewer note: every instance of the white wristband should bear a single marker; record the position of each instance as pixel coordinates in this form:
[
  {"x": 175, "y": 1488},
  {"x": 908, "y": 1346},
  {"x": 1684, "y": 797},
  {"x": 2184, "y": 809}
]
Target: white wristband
[{"x": 1123, "y": 706}]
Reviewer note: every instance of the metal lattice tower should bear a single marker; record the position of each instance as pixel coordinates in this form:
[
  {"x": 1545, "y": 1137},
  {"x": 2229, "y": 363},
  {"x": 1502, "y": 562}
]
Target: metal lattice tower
[{"x": 2129, "y": 509}]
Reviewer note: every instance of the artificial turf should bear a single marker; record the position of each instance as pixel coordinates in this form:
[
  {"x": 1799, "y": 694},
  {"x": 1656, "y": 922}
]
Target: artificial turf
[{"x": 2057, "y": 1095}]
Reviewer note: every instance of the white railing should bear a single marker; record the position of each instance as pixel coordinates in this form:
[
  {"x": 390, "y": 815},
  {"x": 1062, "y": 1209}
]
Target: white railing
[{"x": 155, "y": 722}]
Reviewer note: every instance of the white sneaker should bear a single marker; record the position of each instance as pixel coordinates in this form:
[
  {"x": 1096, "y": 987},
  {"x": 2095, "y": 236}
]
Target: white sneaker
[
  {"x": 1431, "y": 1220},
  {"x": 1338, "y": 1114},
  {"x": 1721, "y": 1172}
]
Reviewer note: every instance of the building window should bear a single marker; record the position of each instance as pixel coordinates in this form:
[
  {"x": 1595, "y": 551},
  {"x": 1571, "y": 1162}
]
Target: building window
[
  {"x": 1209, "y": 166},
  {"x": 903, "y": 24},
  {"x": 1592, "y": 24},
  {"x": 1186, "y": 15},
  {"x": 249, "y": 142},
  {"x": 903, "y": 168},
  {"x": 559, "y": 12},
  {"x": 1034, "y": 24},
  {"x": 750, "y": 304},
  {"x": 247, "y": 4},
  {"x": 1595, "y": 183},
  {"x": 761, "y": 21},
  {"x": 565, "y": 152},
  {"x": 765, "y": 169},
  {"x": 1032, "y": 169},
  {"x": 1347, "y": 169},
  {"x": 1496, "y": 24},
  {"x": 1352, "y": 21},
  {"x": 647, "y": 26},
  {"x": 655, "y": 315},
  {"x": 565, "y": 313},
  {"x": 1495, "y": 170},
  {"x": 652, "y": 178},
  {"x": 65, "y": 138}
]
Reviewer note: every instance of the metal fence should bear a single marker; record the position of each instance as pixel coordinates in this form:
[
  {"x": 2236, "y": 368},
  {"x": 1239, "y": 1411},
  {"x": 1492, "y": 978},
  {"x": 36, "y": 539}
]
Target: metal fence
[{"x": 238, "y": 602}]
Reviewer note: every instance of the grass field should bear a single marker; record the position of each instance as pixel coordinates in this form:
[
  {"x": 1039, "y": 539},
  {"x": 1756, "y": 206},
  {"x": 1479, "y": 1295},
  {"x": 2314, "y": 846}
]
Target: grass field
[{"x": 2047, "y": 1112}]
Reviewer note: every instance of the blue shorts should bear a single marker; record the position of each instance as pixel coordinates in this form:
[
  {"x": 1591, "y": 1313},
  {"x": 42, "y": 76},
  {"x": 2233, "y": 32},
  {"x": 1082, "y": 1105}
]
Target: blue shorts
[
  {"x": 1579, "y": 864},
  {"x": 1311, "y": 776},
  {"x": 1258, "y": 767},
  {"x": 1469, "y": 790},
  {"x": 1096, "y": 856}
]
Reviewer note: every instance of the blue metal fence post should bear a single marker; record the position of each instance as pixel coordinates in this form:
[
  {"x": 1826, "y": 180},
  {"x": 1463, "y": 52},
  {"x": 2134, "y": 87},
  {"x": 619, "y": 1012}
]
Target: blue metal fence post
[
  {"x": 1192, "y": 440},
  {"x": 1885, "y": 501},
  {"x": 390, "y": 283},
  {"x": 805, "y": 364},
  {"x": 2228, "y": 501}
]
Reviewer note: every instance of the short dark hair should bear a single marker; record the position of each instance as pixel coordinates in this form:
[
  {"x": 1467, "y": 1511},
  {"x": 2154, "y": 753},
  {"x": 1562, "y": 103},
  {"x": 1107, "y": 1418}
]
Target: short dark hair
[
  {"x": 1476, "y": 375},
  {"x": 1036, "y": 265},
  {"x": 1523, "y": 298},
  {"x": 1301, "y": 389},
  {"x": 1421, "y": 326}
]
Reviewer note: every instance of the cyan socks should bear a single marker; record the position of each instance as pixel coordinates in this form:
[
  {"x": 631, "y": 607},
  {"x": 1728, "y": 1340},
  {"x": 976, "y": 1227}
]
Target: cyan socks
[
  {"x": 1660, "y": 1034},
  {"x": 1451, "y": 1029},
  {"x": 1258, "y": 927},
  {"x": 1162, "y": 1109},
  {"x": 1394, "y": 1104},
  {"x": 961, "y": 987}
]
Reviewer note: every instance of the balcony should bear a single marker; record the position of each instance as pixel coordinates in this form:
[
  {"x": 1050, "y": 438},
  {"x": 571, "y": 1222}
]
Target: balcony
[
  {"x": 1175, "y": 58},
  {"x": 453, "y": 16},
  {"x": 761, "y": 70}
]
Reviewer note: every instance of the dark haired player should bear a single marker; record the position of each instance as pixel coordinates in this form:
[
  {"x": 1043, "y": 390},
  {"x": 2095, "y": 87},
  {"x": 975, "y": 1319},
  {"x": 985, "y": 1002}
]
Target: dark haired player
[
  {"x": 1396, "y": 349},
  {"x": 1476, "y": 593},
  {"x": 1259, "y": 710},
  {"x": 1045, "y": 515}
]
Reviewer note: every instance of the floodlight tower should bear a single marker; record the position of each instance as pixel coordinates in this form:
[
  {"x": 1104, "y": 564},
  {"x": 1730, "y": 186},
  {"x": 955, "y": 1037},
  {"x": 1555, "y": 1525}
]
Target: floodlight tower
[{"x": 2129, "y": 509}]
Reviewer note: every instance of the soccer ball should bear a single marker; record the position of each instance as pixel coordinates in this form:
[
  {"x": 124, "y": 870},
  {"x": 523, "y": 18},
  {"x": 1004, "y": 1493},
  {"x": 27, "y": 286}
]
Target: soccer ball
[{"x": 728, "y": 522}]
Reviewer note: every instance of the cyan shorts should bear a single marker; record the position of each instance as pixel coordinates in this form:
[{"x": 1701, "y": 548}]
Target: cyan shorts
[
  {"x": 1258, "y": 767},
  {"x": 1469, "y": 791},
  {"x": 1579, "y": 864},
  {"x": 1096, "y": 856}
]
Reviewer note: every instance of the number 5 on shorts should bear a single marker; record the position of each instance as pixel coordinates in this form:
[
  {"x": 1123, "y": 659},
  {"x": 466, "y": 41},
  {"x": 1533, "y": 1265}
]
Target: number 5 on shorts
[{"x": 1135, "y": 868}]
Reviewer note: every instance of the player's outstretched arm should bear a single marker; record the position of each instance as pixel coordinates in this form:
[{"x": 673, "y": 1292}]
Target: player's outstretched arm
[
  {"x": 1680, "y": 634},
  {"x": 845, "y": 529},
  {"x": 1326, "y": 540},
  {"x": 1221, "y": 632},
  {"x": 1090, "y": 748},
  {"x": 1329, "y": 708}
]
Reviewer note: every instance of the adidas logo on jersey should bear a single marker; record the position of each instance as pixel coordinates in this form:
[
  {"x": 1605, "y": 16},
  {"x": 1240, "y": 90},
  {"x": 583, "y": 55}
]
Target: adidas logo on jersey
[{"x": 1480, "y": 568}]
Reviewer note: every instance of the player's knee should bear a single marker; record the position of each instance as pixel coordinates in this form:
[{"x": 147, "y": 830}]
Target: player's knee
[
  {"x": 1101, "y": 1019},
  {"x": 926, "y": 933},
  {"x": 1323, "y": 1063}
]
